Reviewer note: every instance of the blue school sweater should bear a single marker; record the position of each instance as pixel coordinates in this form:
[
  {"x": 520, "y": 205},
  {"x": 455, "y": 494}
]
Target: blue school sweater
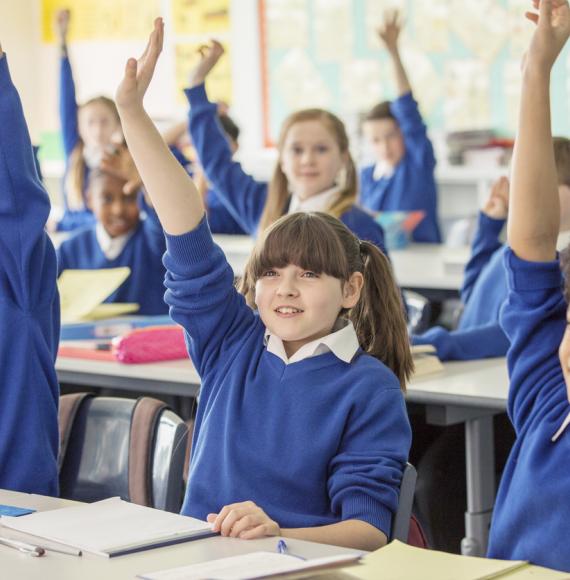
[
  {"x": 312, "y": 443},
  {"x": 412, "y": 185},
  {"x": 29, "y": 311},
  {"x": 531, "y": 518},
  {"x": 479, "y": 334},
  {"x": 72, "y": 219},
  {"x": 220, "y": 219},
  {"x": 243, "y": 196},
  {"x": 142, "y": 254}
]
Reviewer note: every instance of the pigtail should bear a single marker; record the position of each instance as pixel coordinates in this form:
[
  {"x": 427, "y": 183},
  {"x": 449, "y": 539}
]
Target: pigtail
[
  {"x": 379, "y": 318},
  {"x": 277, "y": 196},
  {"x": 75, "y": 178},
  {"x": 348, "y": 194}
]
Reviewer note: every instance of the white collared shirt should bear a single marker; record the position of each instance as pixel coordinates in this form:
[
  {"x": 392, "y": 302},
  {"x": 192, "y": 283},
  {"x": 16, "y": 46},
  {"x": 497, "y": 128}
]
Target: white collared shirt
[
  {"x": 111, "y": 247},
  {"x": 320, "y": 202},
  {"x": 342, "y": 341},
  {"x": 382, "y": 169}
]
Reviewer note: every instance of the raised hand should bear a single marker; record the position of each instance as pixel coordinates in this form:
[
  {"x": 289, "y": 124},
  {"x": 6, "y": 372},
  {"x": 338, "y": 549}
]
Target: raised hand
[
  {"x": 62, "y": 18},
  {"x": 497, "y": 206},
  {"x": 389, "y": 31},
  {"x": 551, "y": 33},
  {"x": 138, "y": 73},
  {"x": 121, "y": 165},
  {"x": 210, "y": 54},
  {"x": 243, "y": 520}
]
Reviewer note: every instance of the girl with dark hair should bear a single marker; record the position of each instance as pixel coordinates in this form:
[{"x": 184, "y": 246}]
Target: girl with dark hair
[{"x": 301, "y": 428}]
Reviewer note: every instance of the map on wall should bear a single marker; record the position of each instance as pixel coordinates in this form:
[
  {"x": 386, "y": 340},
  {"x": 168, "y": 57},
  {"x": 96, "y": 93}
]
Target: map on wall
[{"x": 462, "y": 56}]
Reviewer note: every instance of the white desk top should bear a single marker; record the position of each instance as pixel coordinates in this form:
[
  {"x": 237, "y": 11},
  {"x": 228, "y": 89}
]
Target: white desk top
[
  {"x": 53, "y": 566},
  {"x": 481, "y": 383}
]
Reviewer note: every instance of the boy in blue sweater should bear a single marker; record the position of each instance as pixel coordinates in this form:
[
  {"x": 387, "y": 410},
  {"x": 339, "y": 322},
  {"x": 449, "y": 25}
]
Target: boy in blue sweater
[
  {"x": 531, "y": 519},
  {"x": 402, "y": 179},
  {"x": 301, "y": 428},
  {"x": 479, "y": 334},
  {"x": 29, "y": 311},
  {"x": 315, "y": 170},
  {"x": 120, "y": 237}
]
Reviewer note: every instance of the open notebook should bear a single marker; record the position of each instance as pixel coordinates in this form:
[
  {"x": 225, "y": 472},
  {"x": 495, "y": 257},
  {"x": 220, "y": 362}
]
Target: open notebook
[{"x": 111, "y": 527}]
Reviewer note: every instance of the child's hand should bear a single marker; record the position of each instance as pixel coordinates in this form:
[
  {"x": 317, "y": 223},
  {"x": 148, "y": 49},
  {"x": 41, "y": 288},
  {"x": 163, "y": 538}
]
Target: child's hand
[
  {"x": 244, "y": 520},
  {"x": 551, "y": 33},
  {"x": 209, "y": 56},
  {"x": 497, "y": 206},
  {"x": 138, "y": 74},
  {"x": 62, "y": 18},
  {"x": 390, "y": 30},
  {"x": 121, "y": 165}
]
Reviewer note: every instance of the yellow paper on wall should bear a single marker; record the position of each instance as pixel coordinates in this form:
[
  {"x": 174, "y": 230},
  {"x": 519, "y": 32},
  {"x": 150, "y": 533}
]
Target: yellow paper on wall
[
  {"x": 200, "y": 17},
  {"x": 82, "y": 291},
  {"x": 101, "y": 19}
]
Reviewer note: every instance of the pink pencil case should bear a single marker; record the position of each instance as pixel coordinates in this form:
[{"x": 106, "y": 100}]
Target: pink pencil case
[{"x": 150, "y": 344}]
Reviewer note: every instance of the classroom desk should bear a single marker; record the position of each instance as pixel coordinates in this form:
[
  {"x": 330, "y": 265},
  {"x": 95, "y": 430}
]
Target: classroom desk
[
  {"x": 54, "y": 566},
  {"x": 468, "y": 392}
]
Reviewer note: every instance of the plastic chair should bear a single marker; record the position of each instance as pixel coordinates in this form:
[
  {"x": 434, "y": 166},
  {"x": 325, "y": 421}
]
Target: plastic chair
[
  {"x": 121, "y": 447},
  {"x": 405, "y": 527},
  {"x": 419, "y": 311}
]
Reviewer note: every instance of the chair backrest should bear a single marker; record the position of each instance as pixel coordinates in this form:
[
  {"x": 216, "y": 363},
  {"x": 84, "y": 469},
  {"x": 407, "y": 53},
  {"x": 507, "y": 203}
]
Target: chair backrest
[
  {"x": 419, "y": 311},
  {"x": 403, "y": 515},
  {"x": 131, "y": 448}
]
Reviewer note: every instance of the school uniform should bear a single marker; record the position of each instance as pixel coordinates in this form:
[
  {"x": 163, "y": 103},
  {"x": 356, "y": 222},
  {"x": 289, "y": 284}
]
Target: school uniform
[
  {"x": 532, "y": 513},
  {"x": 411, "y": 184},
  {"x": 220, "y": 219},
  {"x": 72, "y": 218},
  {"x": 243, "y": 196},
  {"x": 29, "y": 311},
  {"x": 312, "y": 442},
  {"x": 484, "y": 290},
  {"x": 141, "y": 250}
]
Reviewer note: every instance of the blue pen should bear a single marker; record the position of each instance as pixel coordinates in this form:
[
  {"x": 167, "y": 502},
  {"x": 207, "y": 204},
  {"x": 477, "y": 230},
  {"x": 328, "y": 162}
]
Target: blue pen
[{"x": 282, "y": 548}]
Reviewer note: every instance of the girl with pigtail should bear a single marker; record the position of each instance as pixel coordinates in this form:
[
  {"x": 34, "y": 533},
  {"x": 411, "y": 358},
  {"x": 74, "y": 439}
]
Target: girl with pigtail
[{"x": 301, "y": 430}]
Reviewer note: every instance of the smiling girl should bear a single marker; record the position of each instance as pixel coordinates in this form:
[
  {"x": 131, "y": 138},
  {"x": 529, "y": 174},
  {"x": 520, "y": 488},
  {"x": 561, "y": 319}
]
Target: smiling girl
[{"x": 301, "y": 428}]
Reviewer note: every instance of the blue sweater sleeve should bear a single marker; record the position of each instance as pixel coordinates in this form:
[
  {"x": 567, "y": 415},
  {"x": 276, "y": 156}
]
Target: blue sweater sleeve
[
  {"x": 367, "y": 471},
  {"x": 243, "y": 196},
  {"x": 202, "y": 297},
  {"x": 67, "y": 107},
  {"x": 534, "y": 319},
  {"x": 29, "y": 310},
  {"x": 480, "y": 342},
  {"x": 485, "y": 244},
  {"x": 418, "y": 146}
]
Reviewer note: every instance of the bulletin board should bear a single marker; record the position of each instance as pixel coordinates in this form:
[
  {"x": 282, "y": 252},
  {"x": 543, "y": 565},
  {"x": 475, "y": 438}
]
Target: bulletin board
[{"x": 462, "y": 56}]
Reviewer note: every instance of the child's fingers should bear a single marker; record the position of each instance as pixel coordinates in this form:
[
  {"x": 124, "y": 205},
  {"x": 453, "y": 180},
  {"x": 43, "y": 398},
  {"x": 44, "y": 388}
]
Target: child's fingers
[
  {"x": 532, "y": 16},
  {"x": 210, "y": 518}
]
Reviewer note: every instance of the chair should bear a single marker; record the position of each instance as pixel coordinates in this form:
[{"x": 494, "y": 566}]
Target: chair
[
  {"x": 121, "y": 447},
  {"x": 405, "y": 527},
  {"x": 419, "y": 311}
]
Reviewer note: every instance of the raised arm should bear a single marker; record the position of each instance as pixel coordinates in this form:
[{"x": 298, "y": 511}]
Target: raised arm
[
  {"x": 389, "y": 33},
  {"x": 173, "y": 194},
  {"x": 67, "y": 98},
  {"x": 241, "y": 194},
  {"x": 534, "y": 212}
]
